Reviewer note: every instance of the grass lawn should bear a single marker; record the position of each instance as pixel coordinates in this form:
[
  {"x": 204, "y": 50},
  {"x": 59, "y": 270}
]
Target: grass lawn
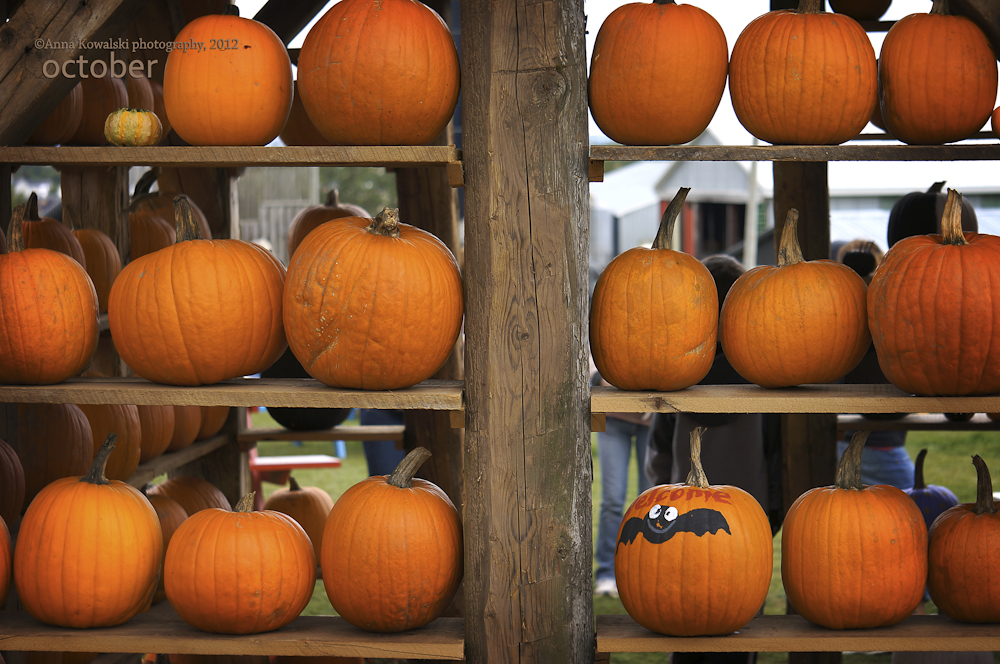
[{"x": 948, "y": 463}]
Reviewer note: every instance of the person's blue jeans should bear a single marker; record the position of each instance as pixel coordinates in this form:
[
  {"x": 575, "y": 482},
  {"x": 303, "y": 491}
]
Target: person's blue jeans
[
  {"x": 883, "y": 465},
  {"x": 614, "y": 448},
  {"x": 382, "y": 455}
]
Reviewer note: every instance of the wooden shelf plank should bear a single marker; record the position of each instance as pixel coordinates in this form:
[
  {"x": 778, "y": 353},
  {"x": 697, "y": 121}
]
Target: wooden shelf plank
[
  {"x": 251, "y": 437},
  {"x": 162, "y": 631},
  {"x": 917, "y": 422},
  {"x": 168, "y": 461},
  {"x": 830, "y": 398},
  {"x": 180, "y": 156},
  {"x": 796, "y": 634},
  {"x": 268, "y": 392},
  {"x": 850, "y": 152}
]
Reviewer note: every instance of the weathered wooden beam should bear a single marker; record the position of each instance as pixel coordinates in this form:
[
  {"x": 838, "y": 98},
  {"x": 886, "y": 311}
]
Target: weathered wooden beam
[
  {"x": 528, "y": 473},
  {"x": 288, "y": 19},
  {"x": 39, "y": 37}
]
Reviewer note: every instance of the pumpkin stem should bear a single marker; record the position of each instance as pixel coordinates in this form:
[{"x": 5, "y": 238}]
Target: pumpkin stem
[
  {"x": 951, "y": 220},
  {"x": 402, "y": 476},
  {"x": 810, "y": 7},
  {"x": 31, "y": 208},
  {"x": 984, "y": 487},
  {"x": 246, "y": 503},
  {"x": 936, "y": 187},
  {"x": 940, "y": 7},
  {"x": 697, "y": 475},
  {"x": 15, "y": 236},
  {"x": 231, "y": 10},
  {"x": 664, "y": 2},
  {"x": 293, "y": 484},
  {"x": 333, "y": 198},
  {"x": 790, "y": 252},
  {"x": 849, "y": 466},
  {"x": 96, "y": 473},
  {"x": 385, "y": 223},
  {"x": 145, "y": 183},
  {"x": 918, "y": 470},
  {"x": 186, "y": 226},
  {"x": 666, "y": 231}
]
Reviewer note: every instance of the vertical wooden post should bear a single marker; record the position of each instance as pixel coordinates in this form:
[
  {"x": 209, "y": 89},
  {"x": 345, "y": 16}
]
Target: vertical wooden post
[{"x": 528, "y": 473}]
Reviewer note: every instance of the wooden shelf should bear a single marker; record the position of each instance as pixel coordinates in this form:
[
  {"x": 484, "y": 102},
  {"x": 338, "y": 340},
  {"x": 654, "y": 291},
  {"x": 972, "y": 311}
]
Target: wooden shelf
[
  {"x": 796, "y": 634},
  {"x": 268, "y": 392},
  {"x": 161, "y": 631},
  {"x": 917, "y": 422},
  {"x": 830, "y": 398},
  {"x": 215, "y": 156},
  {"x": 168, "y": 461},
  {"x": 249, "y": 438},
  {"x": 850, "y": 152}
]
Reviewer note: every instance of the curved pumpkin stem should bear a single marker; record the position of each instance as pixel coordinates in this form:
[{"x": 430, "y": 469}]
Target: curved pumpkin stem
[
  {"x": 918, "y": 470},
  {"x": 810, "y": 7},
  {"x": 936, "y": 188},
  {"x": 940, "y": 7},
  {"x": 951, "y": 220},
  {"x": 333, "y": 198},
  {"x": 31, "y": 208},
  {"x": 402, "y": 476},
  {"x": 145, "y": 183},
  {"x": 664, "y": 2},
  {"x": 665, "y": 232},
  {"x": 15, "y": 235},
  {"x": 984, "y": 487},
  {"x": 790, "y": 252},
  {"x": 697, "y": 475},
  {"x": 293, "y": 484},
  {"x": 96, "y": 473},
  {"x": 246, "y": 503},
  {"x": 231, "y": 10},
  {"x": 187, "y": 228},
  {"x": 849, "y": 467},
  {"x": 385, "y": 223}
]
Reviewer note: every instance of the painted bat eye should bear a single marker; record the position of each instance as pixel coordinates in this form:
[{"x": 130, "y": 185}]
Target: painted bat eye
[
  {"x": 654, "y": 511},
  {"x": 670, "y": 513}
]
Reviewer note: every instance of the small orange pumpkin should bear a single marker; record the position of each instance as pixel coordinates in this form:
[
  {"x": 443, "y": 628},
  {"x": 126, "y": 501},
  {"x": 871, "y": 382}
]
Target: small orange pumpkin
[
  {"x": 193, "y": 493},
  {"x": 861, "y": 10},
  {"x": 140, "y": 92},
  {"x": 101, "y": 260},
  {"x": 11, "y": 484},
  {"x": 48, "y": 233},
  {"x": 309, "y": 506},
  {"x": 311, "y": 217},
  {"x": 156, "y": 426},
  {"x": 132, "y": 127}
]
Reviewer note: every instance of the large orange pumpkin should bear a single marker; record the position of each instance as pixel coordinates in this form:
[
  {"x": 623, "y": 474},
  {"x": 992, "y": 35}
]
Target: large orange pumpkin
[
  {"x": 123, "y": 421},
  {"x": 309, "y": 506},
  {"x": 101, "y": 260},
  {"x": 931, "y": 314},
  {"x": 170, "y": 515},
  {"x": 963, "y": 574},
  {"x": 238, "y": 93},
  {"x": 854, "y": 556},
  {"x": 379, "y": 73},
  {"x": 803, "y": 77},
  {"x": 101, "y": 96},
  {"x": 798, "y": 322},
  {"x": 314, "y": 215},
  {"x": 54, "y": 440},
  {"x": 220, "y": 300},
  {"x": 938, "y": 77},
  {"x": 74, "y": 566},
  {"x": 60, "y": 125},
  {"x": 655, "y": 315},
  {"x": 653, "y": 54},
  {"x": 6, "y": 561},
  {"x": 411, "y": 537},
  {"x": 156, "y": 425},
  {"x": 233, "y": 555},
  {"x": 372, "y": 304},
  {"x": 48, "y": 233},
  {"x": 193, "y": 493},
  {"x": 11, "y": 484},
  {"x": 694, "y": 559}
]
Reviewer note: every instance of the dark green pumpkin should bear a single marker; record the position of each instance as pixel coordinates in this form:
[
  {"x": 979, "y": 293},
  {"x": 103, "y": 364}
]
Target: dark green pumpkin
[
  {"x": 919, "y": 213},
  {"x": 301, "y": 419}
]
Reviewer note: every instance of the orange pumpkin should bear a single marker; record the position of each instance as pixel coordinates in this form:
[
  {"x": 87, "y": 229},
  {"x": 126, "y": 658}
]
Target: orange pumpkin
[
  {"x": 803, "y": 77},
  {"x": 353, "y": 284},
  {"x": 798, "y": 322},
  {"x": 48, "y": 315},
  {"x": 60, "y": 125},
  {"x": 963, "y": 574},
  {"x": 311, "y": 217},
  {"x": 75, "y": 567},
  {"x": 930, "y": 317},
  {"x": 156, "y": 425},
  {"x": 11, "y": 484},
  {"x": 309, "y": 506},
  {"x": 410, "y": 532},
  {"x": 170, "y": 515},
  {"x": 655, "y": 315},
  {"x": 854, "y": 556},
  {"x": 151, "y": 216},
  {"x": 299, "y": 129},
  {"x": 6, "y": 561},
  {"x": 239, "y": 93},
  {"x": 653, "y": 54},
  {"x": 101, "y": 260},
  {"x": 193, "y": 493},
  {"x": 54, "y": 440},
  {"x": 218, "y": 299},
  {"x": 48, "y": 233},
  {"x": 213, "y": 418},
  {"x": 187, "y": 424},
  {"x": 938, "y": 77},
  {"x": 861, "y": 10},
  {"x": 694, "y": 559},
  {"x": 140, "y": 92},
  {"x": 160, "y": 110},
  {"x": 233, "y": 553},
  {"x": 409, "y": 87},
  {"x": 101, "y": 96},
  {"x": 123, "y": 421}
]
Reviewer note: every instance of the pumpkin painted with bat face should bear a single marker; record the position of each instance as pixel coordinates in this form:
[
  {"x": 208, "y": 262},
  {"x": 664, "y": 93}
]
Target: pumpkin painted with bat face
[{"x": 694, "y": 559}]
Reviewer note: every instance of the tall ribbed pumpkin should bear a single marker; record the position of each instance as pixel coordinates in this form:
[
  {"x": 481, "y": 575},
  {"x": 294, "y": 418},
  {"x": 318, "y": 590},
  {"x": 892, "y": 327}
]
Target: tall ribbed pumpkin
[
  {"x": 854, "y": 556},
  {"x": 655, "y": 315},
  {"x": 309, "y": 506},
  {"x": 238, "y": 92},
  {"x": 123, "y": 421},
  {"x": 379, "y": 72},
  {"x": 219, "y": 300},
  {"x": 409, "y": 535},
  {"x": 939, "y": 77},
  {"x": 694, "y": 559},
  {"x": 963, "y": 573},
  {"x": 48, "y": 233},
  {"x": 931, "y": 312},
  {"x": 803, "y": 77},
  {"x": 372, "y": 304},
  {"x": 74, "y": 566},
  {"x": 798, "y": 322},
  {"x": 259, "y": 568},
  {"x": 54, "y": 440},
  {"x": 652, "y": 55}
]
